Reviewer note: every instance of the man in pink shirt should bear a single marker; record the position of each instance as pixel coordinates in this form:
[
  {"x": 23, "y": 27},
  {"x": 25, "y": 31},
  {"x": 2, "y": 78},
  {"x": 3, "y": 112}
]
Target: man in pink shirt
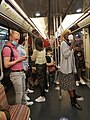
[{"x": 17, "y": 75}]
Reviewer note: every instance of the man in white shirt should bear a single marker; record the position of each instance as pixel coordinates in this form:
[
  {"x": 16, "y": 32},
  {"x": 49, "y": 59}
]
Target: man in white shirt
[{"x": 22, "y": 52}]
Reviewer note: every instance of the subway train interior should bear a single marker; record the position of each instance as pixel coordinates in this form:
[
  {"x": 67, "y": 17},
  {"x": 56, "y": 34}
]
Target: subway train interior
[{"x": 46, "y": 20}]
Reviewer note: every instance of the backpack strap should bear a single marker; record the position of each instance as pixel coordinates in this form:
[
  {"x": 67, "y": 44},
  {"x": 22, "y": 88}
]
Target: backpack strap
[{"x": 12, "y": 53}]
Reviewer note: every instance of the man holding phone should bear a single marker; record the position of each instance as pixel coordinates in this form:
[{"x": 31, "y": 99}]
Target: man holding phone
[{"x": 16, "y": 66}]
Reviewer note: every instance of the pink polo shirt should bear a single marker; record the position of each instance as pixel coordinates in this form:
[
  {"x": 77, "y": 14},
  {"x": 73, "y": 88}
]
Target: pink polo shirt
[{"x": 7, "y": 53}]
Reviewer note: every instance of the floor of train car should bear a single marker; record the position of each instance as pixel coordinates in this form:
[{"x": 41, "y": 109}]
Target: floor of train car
[{"x": 54, "y": 108}]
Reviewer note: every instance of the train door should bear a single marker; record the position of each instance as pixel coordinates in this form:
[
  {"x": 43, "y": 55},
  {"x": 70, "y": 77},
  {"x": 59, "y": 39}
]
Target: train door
[{"x": 86, "y": 42}]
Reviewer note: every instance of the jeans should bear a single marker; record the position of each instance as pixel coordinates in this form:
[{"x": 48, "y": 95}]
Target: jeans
[{"x": 18, "y": 81}]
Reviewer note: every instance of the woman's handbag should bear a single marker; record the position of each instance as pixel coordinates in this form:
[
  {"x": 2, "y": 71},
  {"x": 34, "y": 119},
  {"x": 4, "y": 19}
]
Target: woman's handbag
[{"x": 52, "y": 69}]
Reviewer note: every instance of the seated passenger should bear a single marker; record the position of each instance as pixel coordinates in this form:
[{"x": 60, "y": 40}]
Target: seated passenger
[{"x": 51, "y": 67}]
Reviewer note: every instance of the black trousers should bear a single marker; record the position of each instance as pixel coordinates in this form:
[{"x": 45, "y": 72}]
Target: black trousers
[{"x": 41, "y": 76}]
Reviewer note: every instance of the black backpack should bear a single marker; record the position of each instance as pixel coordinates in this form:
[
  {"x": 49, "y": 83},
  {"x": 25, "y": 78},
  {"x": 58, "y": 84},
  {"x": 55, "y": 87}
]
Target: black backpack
[{"x": 6, "y": 71}]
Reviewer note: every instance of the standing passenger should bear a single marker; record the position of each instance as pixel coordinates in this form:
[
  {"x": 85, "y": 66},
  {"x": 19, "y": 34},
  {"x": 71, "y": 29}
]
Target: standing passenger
[
  {"x": 67, "y": 68},
  {"x": 17, "y": 73},
  {"x": 39, "y": 56},
  {"x": 80, "y": 63},
  {"x": 22, "y": 52}
]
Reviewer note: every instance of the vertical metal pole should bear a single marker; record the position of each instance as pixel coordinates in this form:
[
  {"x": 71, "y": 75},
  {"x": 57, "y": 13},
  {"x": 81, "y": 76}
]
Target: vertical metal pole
[
  {"x": 54, "y": 20},
  {"x": 49, "y": 7},
  {"x": 57, "y": 41},
  {"x": 27, "y": 43},
  {"x": 60, "y": 94}
]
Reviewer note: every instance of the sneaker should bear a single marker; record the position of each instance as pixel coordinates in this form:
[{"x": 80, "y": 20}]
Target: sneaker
[
  {"x": 57, "y": 83},
  {"x": 80, "y": 98},
  {"x": 60, "y": 97},
  {"x": 29, "y": 91},
  {"x": 82, "y": 81},
  {"x": 77, "y": 83},
  {"x": 46, "y": 90},
  {"x": 29, "y": 118},
  {"x": 26, "y": 97},
  {"x": 77, "y": 106},
  {"x": 57, "y": 88},
  {"x": 40, "y": 99},
  {"x": 29, "y": 103}
]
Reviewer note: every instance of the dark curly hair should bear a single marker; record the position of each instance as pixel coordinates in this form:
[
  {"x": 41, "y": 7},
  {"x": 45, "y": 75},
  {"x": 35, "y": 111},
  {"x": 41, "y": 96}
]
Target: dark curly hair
[{"x": 39, "y": 44}]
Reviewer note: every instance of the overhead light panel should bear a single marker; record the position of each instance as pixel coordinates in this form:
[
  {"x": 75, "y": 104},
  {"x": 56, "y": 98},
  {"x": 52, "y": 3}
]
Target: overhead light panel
[{"x": 18, "y": 8}]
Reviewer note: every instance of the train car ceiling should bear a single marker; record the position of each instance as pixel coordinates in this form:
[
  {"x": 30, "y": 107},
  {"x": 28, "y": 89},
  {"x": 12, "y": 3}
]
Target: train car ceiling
[
  {"x": 11, "y": 18},
  {"x": 45, "y": 8},
  {"x": 50, "y": 8}
]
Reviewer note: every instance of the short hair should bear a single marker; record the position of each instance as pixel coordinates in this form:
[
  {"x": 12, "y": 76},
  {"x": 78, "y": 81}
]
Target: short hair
[
  {"x": 22, "y": 39},
  {"x": 39, "y": 44},
  {"x": 14, "y": 33},
  {"x": 64, "y": 34}
]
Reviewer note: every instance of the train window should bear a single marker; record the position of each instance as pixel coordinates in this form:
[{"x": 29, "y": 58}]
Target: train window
[
  {"x": 3, "y": 40},
  {"x": 3, "y": 36},
  {"x": 0, "y": 66},
  {"x": 1, "y": 72}
]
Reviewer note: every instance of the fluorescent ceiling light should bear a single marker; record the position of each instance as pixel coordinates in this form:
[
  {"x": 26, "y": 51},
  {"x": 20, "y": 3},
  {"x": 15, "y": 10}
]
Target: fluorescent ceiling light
[
  {"x": 78, "y": 10},
  {"x": 18, "y": 8},
  {"x": 69, "y": 20},
  {"x": 41, "y": 24}
]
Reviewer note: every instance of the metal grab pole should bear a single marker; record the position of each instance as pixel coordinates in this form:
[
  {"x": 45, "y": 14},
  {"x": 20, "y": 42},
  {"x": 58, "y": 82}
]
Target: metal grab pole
[
  {"x": 57, "y": 42},
  {"x": 55, "y": 39},
  {"x": 60, "y": 92}
]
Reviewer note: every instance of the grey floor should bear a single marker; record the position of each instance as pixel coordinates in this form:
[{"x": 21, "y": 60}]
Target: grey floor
[{"x": 54, "y": 108}]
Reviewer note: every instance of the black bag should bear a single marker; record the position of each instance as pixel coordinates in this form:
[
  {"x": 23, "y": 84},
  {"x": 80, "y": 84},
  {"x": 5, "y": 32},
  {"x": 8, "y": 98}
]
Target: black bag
[
  {"x": 7, "y": 113},
  {"x": 6, "y": 71}
]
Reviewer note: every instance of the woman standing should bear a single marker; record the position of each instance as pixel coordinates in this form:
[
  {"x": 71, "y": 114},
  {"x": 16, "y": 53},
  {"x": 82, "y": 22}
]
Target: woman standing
[
  {"x": 39, "y": 56},
  {"x": 67, "y": 67}
]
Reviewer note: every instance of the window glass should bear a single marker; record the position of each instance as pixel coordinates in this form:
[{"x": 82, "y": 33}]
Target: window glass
[{"x": 3, "y": 40}]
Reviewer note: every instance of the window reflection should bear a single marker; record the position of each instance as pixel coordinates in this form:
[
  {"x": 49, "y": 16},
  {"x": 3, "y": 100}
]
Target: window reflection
[
  {"x": 3, "y": 40},
  {"x": 0, "y": 66}
]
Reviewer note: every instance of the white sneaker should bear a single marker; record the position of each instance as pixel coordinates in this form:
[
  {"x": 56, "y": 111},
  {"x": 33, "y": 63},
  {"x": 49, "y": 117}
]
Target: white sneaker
[
  {"x": 46, "y": 90},
  {"x": 26, "y": 97},
  {"x": 29, "y": 118},
  {"x": 40, "y": 99},
  {"x": 29, "y": 91},
  {"x": 57, "y": 88},
  {"x": 77, "y": 83},
  {"x": 80, "y": 98},
  {"x": 82, "y": 81},
  {"x": 57, "y": 82},
  {"x": 29, "y": 103},
  {"x": 60, "y": 97}
]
